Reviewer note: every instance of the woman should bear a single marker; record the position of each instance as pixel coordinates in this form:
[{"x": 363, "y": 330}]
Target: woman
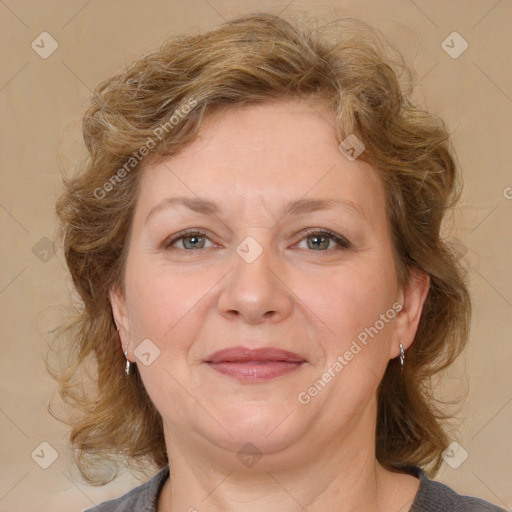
[{"x": 256, "y": 241}]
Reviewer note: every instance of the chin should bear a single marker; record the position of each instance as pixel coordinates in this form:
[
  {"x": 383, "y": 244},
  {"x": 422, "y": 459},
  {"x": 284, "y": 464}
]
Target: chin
[{"x": 270, "y": 427}]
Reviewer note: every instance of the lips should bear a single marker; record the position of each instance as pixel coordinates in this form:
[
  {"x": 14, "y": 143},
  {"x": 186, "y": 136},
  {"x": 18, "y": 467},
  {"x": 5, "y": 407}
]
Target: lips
[
  {"x": 254, "y": 365},
  {"x": 247, "y": 355}
]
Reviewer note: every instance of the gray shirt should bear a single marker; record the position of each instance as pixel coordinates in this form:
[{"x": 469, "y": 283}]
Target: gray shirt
[{"x": 431, "y": 497}]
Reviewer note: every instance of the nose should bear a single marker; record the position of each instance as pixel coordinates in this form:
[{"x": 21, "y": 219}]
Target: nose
[{"x": 256, "y": 289}]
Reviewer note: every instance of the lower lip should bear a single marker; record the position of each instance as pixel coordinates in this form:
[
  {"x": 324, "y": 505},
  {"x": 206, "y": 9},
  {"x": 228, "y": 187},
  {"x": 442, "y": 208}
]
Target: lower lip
[{"x": 255, "y": 372}]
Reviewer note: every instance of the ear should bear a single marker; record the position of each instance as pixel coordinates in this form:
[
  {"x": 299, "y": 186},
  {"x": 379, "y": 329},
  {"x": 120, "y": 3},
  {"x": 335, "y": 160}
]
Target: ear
[
  {"x": 118, "y": 303},
  {"x": 412, "y": 297}
]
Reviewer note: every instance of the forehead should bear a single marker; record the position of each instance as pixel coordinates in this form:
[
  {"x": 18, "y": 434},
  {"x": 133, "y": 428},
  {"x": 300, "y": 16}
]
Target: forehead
[{"x": 262, "y": 156}]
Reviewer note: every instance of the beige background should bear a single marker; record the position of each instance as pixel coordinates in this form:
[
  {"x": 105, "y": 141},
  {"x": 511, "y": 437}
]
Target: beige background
[{"x": 42, "y": 101}]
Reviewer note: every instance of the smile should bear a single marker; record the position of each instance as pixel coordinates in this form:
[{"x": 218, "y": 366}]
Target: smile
[{"x": 254, "y": 365}]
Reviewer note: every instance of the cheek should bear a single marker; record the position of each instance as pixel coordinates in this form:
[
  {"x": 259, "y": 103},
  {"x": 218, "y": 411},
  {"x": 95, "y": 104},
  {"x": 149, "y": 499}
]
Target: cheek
[
  {"x": 356, "y": 349},
  {"x": 163, "y": 300},
  {"x": 350, "y": 299}
]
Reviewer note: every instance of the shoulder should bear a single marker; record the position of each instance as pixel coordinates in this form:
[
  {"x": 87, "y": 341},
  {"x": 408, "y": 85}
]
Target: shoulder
[
  {"x": 143, "y": 498},
  {"x": 434, "y": 496}
]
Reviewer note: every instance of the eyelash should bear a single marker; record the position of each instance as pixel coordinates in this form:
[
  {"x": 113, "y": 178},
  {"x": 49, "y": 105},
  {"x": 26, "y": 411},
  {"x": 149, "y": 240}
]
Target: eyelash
[{"x": 342, "y": 242}]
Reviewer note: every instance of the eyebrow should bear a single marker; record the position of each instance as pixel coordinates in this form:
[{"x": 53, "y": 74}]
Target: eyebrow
[{"x": 299, "y": 207}]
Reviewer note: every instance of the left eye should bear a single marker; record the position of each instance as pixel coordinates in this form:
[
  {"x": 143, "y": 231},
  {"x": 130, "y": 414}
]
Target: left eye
[
  {"x": 194, "y": 237},
  {"x": 320, "y": 240}
]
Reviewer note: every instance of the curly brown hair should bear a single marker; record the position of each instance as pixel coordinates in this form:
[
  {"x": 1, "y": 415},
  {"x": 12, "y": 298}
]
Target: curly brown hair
[{"x": 154, "y": 109}]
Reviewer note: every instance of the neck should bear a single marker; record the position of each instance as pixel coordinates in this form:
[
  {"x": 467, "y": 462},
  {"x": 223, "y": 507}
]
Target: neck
[{"x": 314, "y": 474}]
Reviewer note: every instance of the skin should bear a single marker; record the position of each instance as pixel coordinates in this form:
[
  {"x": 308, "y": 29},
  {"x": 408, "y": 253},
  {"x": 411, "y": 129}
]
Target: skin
[{"x": 252, "y": 161}]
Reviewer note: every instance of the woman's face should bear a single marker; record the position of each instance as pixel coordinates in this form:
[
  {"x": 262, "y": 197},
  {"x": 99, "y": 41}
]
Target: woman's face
[{"x": 253, "y": 277}]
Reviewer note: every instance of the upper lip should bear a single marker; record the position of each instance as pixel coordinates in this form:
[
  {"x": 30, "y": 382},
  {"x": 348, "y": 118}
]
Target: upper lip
[{"x": 244, "y": 354}]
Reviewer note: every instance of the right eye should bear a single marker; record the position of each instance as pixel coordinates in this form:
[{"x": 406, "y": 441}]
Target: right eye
[{"x": 191, "y": 239}]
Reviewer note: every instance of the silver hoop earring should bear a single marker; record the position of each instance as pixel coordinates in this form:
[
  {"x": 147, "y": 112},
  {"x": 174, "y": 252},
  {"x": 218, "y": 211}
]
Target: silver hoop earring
[
  {"x": 402, "y": 356},
  {"x": 127, "y": 368}
]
